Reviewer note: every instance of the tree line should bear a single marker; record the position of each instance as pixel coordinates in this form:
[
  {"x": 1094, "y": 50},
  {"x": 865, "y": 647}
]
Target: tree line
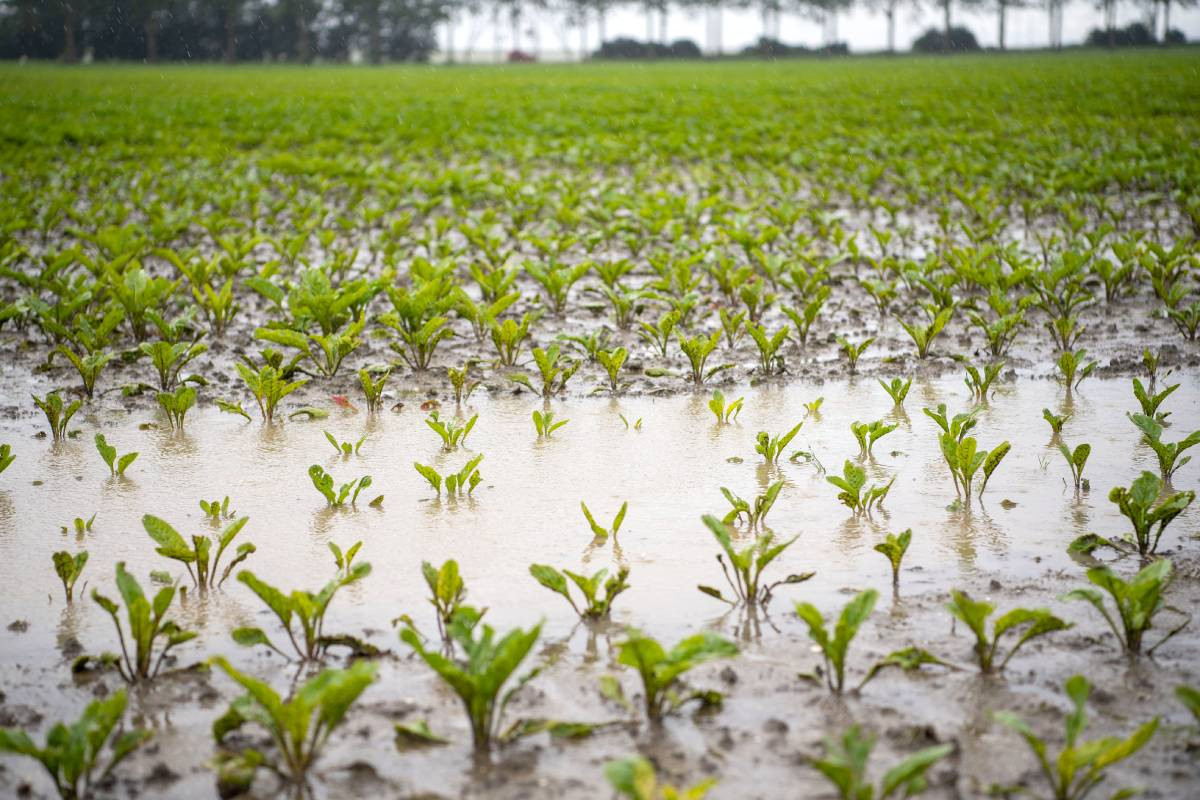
[{"x": 398, "y": 30}]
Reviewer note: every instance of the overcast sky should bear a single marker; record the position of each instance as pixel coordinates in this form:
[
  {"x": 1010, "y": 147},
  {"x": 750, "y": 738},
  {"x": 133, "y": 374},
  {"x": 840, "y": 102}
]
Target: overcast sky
[{"x": 862, "y": 30}]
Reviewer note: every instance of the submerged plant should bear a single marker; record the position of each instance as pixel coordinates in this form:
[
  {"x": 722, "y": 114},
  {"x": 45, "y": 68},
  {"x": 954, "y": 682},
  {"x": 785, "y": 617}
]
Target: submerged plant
[
  {"x": 835, "y": 641},
  {"x": 373, "y": 388},
  {"x": 979, "y": 382},
  {"x": 1079, "y": 767},
  {"x": 345, "y": 449},
  {"x": 594, "y": 605},
  {"x": 966, "y": 460},
  {"x": 116, "y": 466},
  {"x": 1055, "y": 421},
  {"x": 754, "y": 512},
  {"x": 6, "y": 456},
  {"x": 451, "y": 432},
  {"x": 726, "y": 413},
  {"x": 73, "y": 753},
  {"x": 1150, "y": 402},
  {"x": 1076, "y": 459},
  {"x": 771, "y": 447},
  {"x": 1073, "y": 367},
  {"x": 58, "y": 415},
  {"x": 301, "y": 613},
  {"x": 68, "y": 568},
  {"x": 845, "y": 766},
  {"x": 697, "y": 349},
  {"x": 634, "y": 778},
  {"x": 974, "y": 614},
  {"x": 207, "y": 574},
  {"x": 322, "y": 481},
  {"x": 148, "y": 628},
  {"x": 747, "y": 566},
  {"x": 598, "y": 530},
  {"x": 460, "y": 381},
  {"x": 1137, "y": 602},
  {"x": 660, "y": 670},
  {"x": 1167, "y": 453},
  {"x": 176, "y": 404},
  {"x": 554, "y": 376},
  {"x": 299, "y": 725},
  {"x": 855, "y": 494},
  {"x": 268, "y": 387},
  {"x": 893, "y": 549},
  {"x": 544, "y": 424},
  {"x": 923, "y": 335},
  {"x": 89, "y": 366},
  {"x": 488, "y": 664},
  {"x": 457, "y": 483},
  {"x": 1140, "y": 504},
  {"x": 447, "y": 592},
  {"x": 854, "y": 351},
  {"x": 868, "y": 433},
  {"x": 897, "y": 389}
]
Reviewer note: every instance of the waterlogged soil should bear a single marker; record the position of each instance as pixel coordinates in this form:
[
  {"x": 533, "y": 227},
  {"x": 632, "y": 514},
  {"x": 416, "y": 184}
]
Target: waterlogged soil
[{"x": 1010, "y": 548}]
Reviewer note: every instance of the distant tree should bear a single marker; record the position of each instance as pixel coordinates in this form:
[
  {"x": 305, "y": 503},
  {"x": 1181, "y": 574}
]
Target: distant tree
[
  {"x": 889, "y": 8},
  {"x": 933, "y": 40},
  {"x": 1054, "y": 20},
  {"x": 1002, "y": 7}
]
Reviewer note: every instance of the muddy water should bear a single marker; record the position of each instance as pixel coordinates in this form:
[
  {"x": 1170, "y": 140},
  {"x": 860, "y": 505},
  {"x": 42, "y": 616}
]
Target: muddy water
[{"x": 527, "y": 510}]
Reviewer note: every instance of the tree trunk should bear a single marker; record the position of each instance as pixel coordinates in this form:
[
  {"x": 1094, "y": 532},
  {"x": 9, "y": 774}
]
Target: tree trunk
[
  {"x": 303, "y": 41},
  {"x": 583, "y": 52},
  {"x": 70, "y": 50},
  {"x": 496, "y": 33},
  {"x": 662, "y": 25},
  {"x": 649, "y": 24},
  {"x": 1002, "y": 6},
  {"x": 891, "y": 20},
  {"x": 717, "y": 16},
  {"x": 1166, "y": 20},
  {"x": 601, "y": 19},
  {"x": 1110, "y": 23},
  {"x": 374, "y": 42},
  {"x": 230, "y": 36},
  {"x": 946, "y": 25},
  {"x": 515, "y": 21},
  {"x": 449, "y": 38},
  {"x": 151, "y": 27}
]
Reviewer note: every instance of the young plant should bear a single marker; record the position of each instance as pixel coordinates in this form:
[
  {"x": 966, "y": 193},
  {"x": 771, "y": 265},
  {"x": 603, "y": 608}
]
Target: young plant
[
  {"x": 88, "y": 366},
  {"x": 804, "y": 318},
  {"x": 116, "y": 466},
  {"x": 748, "y": 565},
  {"x": 1191, "y": 700},
  {"x": 598, "y": 530},
  {"x": 169, "y": 358},
  {"x": 331, "y": 347},
  {"x": 897, "y": 389},
  {"x": 1055, "y": 421},
  {"x": 299, "y": 725},
  {"x": 447, "y": 592},
  {"x": 1076, "y": 459},
  {"x": 923, "y": 335},
  {"x": 73, "y": 753},
  {"x": 217, "y": 510},
  {"x": 697, "y": 349},
  {"x": 206, "y": 574},
  {"x": 854, "y": 351},
  {"x": 855, "y": 494},
  {"x": 450, "y": 431},
  {"x": 658, "y": 334},
  {"x": 176, "y": 404},
  {"x": 457, "y": 483},
  {"x": 345, "y": 449},
  {"x": 845, "y": 766},
  {"x": 148, "y": 627},
  {"x": 1141, "y": 505},
  {"x": 1073, "y": 368},
  {"x": 507, "y": 337},
  {"x": 301, "y": 613},
  {"x": 68, "y": 568},
  {"x": 979, "y": 382},
  {"x": 612, "y": 361},
  {"x": 554, "y": 375},
  {"x": 460, "y": 381},
  {"x": 868, "y": 433},
  {"x": 893, "y": 549},
  {"x": 966, "y": 460},
  {"x": 57, "y": 415},
  {"x": 634, "y": 778},
  {"x": 835, "y": 642},
  {"x": 660, "y": 670},
  {"x": 755, "y": 512},
  {"x": 544, "y": 424},
  {"x": 726, "y": 414},
  {"x": 479, "y": 678},
  {"x": 322, "y": 481},
  {"x": 594, "y": 606},
  {"x": 1079, "y": 767},
  {"x": 769, "y": 360},
  {"x": 268, "y": 387},
  {"x": 373, "y": 388},
  {"x": 6, "y": 456},
  {"x": 771, "y": 447},
  {"x": 974, "y": 613},
  {"x": 1167, "y": 453}
]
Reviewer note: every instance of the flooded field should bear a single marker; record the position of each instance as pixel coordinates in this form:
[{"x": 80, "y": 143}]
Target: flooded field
[{"x": 1009, "y": 546}]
